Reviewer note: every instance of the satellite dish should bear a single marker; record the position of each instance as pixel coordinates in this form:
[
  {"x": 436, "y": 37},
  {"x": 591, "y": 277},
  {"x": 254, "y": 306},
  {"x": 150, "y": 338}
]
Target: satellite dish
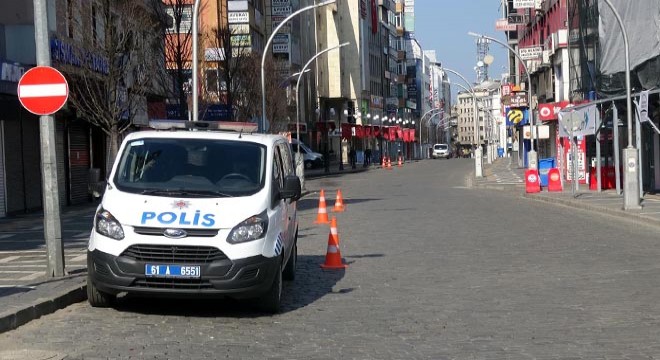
[
  {"x": 488, "y": 59},
  {"x": 480, "y": 64}
]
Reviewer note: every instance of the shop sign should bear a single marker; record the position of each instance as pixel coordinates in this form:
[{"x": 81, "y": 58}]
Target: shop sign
[
  {"x": 68, "y": 54},
  {"x": 516, "y": 19},
  {"x": 518, "y": 100},
  {"x": 238, "y": 17},
  {"x": 281, "y": 39},
  {"x": 550, "y": 111},
  {"x": 503, "y": 25},
  {"x": 281, "y": 48},
  {"x": 280, "y": 2},
  {"x": 12, "y": 72},
  {"x": 530, "y": 53},
  {"x": 524, "y": 4},
  {"x": 236, "y": 5},
  {"x": 237, "y": 29},
  {"x": 241, "y": 40},
  {"x": 376, "y": 102},
  {"x": 543, "y": 132},
  {"x": 281, "y": 10}
]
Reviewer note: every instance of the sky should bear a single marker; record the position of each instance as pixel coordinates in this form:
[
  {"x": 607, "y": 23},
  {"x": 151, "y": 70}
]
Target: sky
[{"x": 442, "y": 25}]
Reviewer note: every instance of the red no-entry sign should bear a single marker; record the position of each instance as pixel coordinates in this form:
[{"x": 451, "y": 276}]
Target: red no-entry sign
[{"x": 43, "y": 90}]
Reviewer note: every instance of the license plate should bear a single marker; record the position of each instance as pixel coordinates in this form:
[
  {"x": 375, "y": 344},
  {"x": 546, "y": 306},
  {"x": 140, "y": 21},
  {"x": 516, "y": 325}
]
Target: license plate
[{"x": 172, "y": 271}]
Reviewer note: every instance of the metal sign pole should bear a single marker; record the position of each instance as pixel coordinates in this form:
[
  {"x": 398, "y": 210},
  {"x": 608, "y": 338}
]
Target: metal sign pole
[
  {"x": 51, "y": 200},
  {"x": 617, "y": 147}
]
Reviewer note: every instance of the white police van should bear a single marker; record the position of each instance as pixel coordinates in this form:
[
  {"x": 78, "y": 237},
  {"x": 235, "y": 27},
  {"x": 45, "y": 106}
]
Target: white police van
[{"x": 193, "y": 212}]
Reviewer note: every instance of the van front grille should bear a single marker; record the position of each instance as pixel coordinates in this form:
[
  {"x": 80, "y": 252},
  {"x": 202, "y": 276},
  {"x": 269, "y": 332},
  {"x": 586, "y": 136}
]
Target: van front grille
[{"x": 174, "y": 254}]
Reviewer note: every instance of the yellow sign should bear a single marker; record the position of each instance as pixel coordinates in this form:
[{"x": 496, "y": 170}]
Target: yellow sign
[{"x": 514, "y": 116}]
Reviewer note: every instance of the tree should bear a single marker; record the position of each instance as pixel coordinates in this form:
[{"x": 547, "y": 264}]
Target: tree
[
  {"x": 231, "y": 59},
  {"x": 251, "y": 97},
  {"x": 175, "y": 18},
  {"x": 111, "y": 94}
]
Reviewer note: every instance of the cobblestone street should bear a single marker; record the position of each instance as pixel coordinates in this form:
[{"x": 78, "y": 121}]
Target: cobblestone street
[{"x": 436, "y": 271}]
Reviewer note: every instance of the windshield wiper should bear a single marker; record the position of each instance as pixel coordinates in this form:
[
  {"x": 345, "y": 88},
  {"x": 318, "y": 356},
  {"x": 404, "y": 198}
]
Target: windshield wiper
[{"x": 181, "y": 192}]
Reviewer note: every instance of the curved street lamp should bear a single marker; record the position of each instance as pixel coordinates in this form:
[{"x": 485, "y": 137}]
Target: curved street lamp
[
  {"x": 304, "y": 69},
  {"x": 478, "y": 157},
  {"x": 531, "y": 155},
  {"x": 421, "y": 120},
  {"x": 263, "y": 57},
  {"x": 631, "y": 183}
]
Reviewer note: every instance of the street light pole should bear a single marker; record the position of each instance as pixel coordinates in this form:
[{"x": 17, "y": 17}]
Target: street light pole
[
  {"x": 304, "y": 69},
  {"x": 478, "y": 157},
  {"x": 421, "y": 120},
  {"x": 195, "y": 42},
  {"x": 531, "y": 155},
  {"x": 51, "y": 202},
  {"x": 262, "y": 125},
  {"x": 631, "y": 185}
]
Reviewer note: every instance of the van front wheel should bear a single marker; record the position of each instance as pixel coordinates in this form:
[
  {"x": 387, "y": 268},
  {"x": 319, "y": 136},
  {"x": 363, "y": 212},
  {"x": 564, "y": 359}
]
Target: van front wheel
[
  {"x": 97, "y": 298},
  {"x": 270, "y": 301}
]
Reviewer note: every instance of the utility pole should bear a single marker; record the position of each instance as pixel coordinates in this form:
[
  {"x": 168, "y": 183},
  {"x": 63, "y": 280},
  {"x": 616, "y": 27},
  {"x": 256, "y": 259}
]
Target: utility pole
[{"x": 51, "y": 200}]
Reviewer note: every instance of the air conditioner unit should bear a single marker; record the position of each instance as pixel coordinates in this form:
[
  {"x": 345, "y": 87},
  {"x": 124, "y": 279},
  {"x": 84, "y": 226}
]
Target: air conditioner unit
[
  {"x": 554, "y": 40},
  {"x": 545, "y": 62}
]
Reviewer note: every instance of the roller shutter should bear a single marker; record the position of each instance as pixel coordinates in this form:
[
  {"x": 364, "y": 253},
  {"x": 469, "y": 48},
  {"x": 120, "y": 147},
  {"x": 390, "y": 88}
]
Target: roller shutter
[{"x": 79, "y": 162}]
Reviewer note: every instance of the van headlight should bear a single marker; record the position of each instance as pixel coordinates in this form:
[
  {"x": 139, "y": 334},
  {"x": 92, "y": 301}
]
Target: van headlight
[
  {"x": 107, "y": 225},
  {"x": 253, "y": 228}
]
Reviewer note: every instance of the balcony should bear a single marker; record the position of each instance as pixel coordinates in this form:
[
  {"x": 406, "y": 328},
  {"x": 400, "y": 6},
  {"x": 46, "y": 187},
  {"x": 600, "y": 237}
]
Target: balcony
[
  {"x": 388, "y": 4},
  {"x": 400, "y": 55}
]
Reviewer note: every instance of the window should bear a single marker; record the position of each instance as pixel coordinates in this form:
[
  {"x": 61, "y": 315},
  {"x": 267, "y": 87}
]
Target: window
[
  {"x": 183, "y": 13},
  {"x": 212, "y": 81},
  {"x": 94, "y": 25},
  {"x": 287, "y": 161},
  {"x": 277, "y": 168},
  {"x": 69, "y": 18}
]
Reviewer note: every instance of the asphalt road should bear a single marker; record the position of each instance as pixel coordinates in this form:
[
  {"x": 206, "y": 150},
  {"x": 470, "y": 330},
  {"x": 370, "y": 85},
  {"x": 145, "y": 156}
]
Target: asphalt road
[{"x": 436, "y": 271}]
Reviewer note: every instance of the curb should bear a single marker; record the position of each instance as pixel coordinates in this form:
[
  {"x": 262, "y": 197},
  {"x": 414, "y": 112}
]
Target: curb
[
  {"x": 43, "y": 306},
  {"x": 636, "y": 219}
]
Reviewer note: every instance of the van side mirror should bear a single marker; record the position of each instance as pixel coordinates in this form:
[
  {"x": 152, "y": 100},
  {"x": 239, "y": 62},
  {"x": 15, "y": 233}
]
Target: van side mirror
[{"x": 291, "y": 188}]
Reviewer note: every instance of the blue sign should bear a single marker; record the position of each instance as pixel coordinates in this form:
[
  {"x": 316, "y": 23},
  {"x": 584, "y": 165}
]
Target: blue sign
[
  {"x": 70, "y": 55},
  {"x": 215, "y": 112}
]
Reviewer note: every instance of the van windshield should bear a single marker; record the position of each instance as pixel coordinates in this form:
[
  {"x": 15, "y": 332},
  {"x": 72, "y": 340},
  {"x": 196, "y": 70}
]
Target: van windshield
[
  {"x": 191, "y": 167},
  {"x": 441, "y": 147}
]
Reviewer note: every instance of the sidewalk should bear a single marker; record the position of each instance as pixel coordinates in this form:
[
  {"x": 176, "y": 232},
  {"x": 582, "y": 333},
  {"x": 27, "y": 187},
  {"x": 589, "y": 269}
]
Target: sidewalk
[
  {"x": 505, "y": 175},
  {"x": 25, "y": 291}
]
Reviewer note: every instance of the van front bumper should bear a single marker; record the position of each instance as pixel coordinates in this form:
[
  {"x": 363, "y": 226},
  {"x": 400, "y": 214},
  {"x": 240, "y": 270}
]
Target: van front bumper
[{"x": 242, "y": 278}]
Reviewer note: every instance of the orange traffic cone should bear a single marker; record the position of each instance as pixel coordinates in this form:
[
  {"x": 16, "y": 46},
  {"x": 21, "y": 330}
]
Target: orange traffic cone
[
  {"x": 400, "y": 164},
  {"x": 389, "y": 163},
  {"x": 339, "y": 203},
  {"x": 322, "y": 216},
  {"x": 333, "y": 259},
  {"x": 384, "y": 162}
]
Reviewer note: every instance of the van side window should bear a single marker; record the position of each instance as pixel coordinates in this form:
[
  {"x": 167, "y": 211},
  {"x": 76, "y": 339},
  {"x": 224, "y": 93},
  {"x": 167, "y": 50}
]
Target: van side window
[
  {"x": 277, "y": 168},
  {"x": 287, "y": 162}
]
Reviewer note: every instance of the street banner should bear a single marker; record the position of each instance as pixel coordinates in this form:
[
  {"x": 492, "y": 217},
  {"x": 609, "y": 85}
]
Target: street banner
[
  {"x": 580, "y": 122},
  {"x": 346, "y": 131}
]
